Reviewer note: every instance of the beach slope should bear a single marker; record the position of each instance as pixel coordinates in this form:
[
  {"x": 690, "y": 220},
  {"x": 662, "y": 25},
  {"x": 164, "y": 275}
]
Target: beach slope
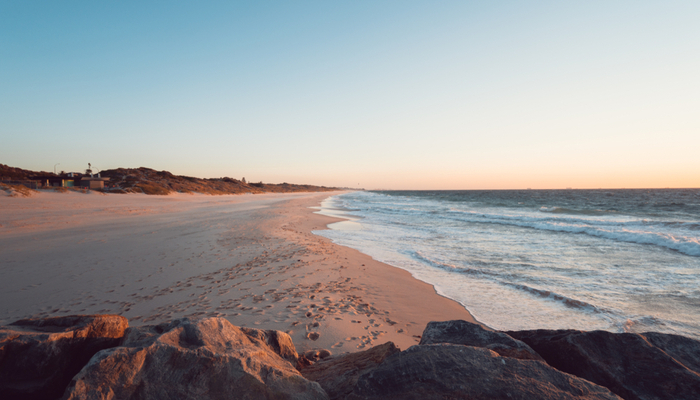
[{"x": 251, "y": 259}]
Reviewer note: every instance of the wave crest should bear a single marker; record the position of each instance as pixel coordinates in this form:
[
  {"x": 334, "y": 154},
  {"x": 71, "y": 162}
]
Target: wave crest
[
  {"x": 683, "y": 239},
  {"x": 564, "y": 210}
]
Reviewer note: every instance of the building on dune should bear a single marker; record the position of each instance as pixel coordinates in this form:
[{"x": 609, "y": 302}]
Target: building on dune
[{"x": 68, "y": 180}]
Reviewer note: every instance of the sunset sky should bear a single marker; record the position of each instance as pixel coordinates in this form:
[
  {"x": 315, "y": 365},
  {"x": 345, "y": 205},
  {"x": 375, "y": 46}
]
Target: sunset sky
[{"x": 375, "y": 94}]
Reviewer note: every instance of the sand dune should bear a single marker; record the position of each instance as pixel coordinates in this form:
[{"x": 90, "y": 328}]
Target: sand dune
[{"x": 249, "y": 258}]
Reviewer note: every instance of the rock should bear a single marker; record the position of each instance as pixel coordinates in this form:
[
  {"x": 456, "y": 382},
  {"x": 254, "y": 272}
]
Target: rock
[
  {"x": 635, "y": 366},
  {"x": 684, "y": 350},
  {"x": 193, "y": 359},
  {"x": 449, "y": 371},
  {"x": 303, "y": 362},
  {"x": 279, "y": 342},
  {"x": 338, "y": 375},
  {"x": 469, "y": 334},
  {"x": 38, "y": 357}
]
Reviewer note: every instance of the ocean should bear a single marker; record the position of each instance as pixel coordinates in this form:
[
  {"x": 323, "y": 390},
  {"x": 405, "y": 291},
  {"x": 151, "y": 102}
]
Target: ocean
[{"x": 617, "y": 260}]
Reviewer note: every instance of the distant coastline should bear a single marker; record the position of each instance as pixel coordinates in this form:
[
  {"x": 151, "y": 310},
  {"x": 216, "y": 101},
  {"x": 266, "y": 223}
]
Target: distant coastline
[{"x": 145, "y": 180}]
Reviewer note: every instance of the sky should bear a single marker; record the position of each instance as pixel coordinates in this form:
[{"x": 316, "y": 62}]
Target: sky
[{"x": 372, "y": 94}]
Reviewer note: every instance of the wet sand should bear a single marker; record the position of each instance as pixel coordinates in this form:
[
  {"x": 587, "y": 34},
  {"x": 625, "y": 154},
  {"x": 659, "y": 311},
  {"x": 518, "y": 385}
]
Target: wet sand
[{"x": 251, "y": 259}]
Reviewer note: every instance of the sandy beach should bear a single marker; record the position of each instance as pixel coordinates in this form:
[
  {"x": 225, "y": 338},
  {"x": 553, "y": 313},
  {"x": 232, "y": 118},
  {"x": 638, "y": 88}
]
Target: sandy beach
[{"x": 251, "y": 259}]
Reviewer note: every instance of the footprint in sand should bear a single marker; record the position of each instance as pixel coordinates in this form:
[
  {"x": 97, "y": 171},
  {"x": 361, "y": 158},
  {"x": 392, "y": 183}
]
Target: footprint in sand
[{"x": 312, "y": 325}]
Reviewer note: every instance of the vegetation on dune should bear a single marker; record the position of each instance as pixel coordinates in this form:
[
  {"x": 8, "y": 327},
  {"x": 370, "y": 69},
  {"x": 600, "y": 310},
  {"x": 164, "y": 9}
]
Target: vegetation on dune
[
  {"x": 149, "y": 181},
  {"x": 12, "y": 173},
  {"x": 14, "y": 190},
  {"x": 149, "y": 188}
]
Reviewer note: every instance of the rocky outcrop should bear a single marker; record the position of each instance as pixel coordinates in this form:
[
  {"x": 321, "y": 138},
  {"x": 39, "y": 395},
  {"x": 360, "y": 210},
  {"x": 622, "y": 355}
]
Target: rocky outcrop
[
  {"x": 97, "y": 357},
  {"x": 448, "y": 371},
  {"x": 338, "y": 375},
  {"x": 38, "y": 357},
  {"x": 184, "y": 359},
  {"x": 469, "y": 334},
  {"x": 635, "y": 366}
]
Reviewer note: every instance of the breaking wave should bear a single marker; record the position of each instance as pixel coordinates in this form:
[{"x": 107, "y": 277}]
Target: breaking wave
[{"x": 681, "y": 238}]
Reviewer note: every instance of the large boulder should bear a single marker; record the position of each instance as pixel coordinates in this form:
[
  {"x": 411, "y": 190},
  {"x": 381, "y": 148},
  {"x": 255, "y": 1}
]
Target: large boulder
[
  {"x": 448, "y": 371},
  {"x": 684, "y": 350},
  {"x": 38, "y": 357},
  {"x": 338, "y": 375},
  {"x": 469, "y": 334},
  {"x": 192, "y": 359},
  {"x": 635, "y": 366}
]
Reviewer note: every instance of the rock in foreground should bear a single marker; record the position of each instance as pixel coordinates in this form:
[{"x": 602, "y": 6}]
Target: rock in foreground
[
  {"x": 97, "y": 357},
  {"x": 448, "y": 371},
  {"x": 469, "y": 334},
  {"x": 338, "y": 375},
  {"x": 184, "y": 359},
  {"x": 38, "y": 357},
  {"x": 634, "y": 366}
]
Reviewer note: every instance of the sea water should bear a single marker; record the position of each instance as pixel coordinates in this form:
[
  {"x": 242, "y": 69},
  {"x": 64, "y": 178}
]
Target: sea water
[{"x": 617, "y": 260}]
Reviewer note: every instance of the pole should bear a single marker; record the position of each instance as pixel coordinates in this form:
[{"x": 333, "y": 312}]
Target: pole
[{"x": 54, "y": 168}]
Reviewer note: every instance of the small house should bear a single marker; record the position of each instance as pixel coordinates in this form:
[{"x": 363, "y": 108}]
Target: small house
[{"x": 93, "y": 182}]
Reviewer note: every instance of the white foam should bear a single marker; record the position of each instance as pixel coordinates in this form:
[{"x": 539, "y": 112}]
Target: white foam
[
  {"x": 682, "y": 240},
  {"x": 519, "y": 269}
]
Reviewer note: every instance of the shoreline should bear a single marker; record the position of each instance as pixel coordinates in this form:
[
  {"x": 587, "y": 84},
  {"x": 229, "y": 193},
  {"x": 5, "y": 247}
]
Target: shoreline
[
  {"x": 405, "y": 304},
  {"x": 250, "y": 259}
]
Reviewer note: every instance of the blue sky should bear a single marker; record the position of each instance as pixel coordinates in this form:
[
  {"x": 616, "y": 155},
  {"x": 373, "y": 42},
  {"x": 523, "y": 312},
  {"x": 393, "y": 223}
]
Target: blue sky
[{"x": 402, "y": 95}]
